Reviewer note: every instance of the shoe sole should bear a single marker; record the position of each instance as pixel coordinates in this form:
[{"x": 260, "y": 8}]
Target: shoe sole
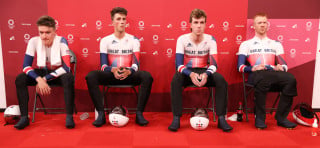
[
  {"x": 99, "y": 125},
  {"x": 20, "y": 128},
  {"x": 289, "y": 128},
  {"x": 142, "y": 124},
  {"x": 173, "y": 130}
]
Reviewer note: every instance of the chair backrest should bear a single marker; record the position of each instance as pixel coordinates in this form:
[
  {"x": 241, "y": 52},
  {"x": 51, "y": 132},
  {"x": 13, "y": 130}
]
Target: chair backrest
[{"x": 73, "y": 60}]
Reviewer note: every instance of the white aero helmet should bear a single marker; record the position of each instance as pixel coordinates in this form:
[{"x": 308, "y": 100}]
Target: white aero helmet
[
  {"x": 119, "y": 116},
  {"x": 199, "y": 119},
  {"x": 12, "y": 114},
  {"x": 304, "y": 114}
]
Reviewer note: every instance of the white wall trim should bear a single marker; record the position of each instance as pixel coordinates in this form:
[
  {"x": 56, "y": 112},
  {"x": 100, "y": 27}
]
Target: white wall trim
[
  {"x": 316, "y": 81},
  {"x": 3, "y": 100}
]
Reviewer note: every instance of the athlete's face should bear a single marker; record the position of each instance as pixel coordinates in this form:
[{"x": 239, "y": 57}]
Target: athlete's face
[
  {"x": 260, "y": 25},
  {"x": 47, "y": 34},
  {"x": 198, "y": 25},
  {"x": 119, "y": 22}
]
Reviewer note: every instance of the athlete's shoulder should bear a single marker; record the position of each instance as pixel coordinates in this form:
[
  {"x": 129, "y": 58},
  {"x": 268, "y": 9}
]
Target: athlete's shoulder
[
  {"x": 184, "y": 37},
  {"x": 34, "y": 40},
  {"x": 63, "y": 40},
  {"x": 249, "y": 41},
  {"x": 275, "y": 41},
  {"x": 209, "y": 37},
  {"x": 107, "y": 38},
  {"x": 132, "y": 37}
]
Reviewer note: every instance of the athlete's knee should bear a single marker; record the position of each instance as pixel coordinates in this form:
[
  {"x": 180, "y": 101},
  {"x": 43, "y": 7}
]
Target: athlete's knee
[
  {"x": 67, "y": 79},
  {"x": 262, "y": 85},
  {"x": 91, "y": 75},
  {"x": 177, "y": 79},
  {"x": 219, "y": 79},
  {"x": 21, "y": 79},
  {"x": 147, "y": 76},
  {"x": 291, "y": 80}
]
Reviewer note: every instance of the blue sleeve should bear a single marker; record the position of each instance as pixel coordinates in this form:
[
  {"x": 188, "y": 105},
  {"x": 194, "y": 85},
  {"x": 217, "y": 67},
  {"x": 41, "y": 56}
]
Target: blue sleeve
[
  {"x": 242, "y": 67},
  {"x": 27, "y": 66}
]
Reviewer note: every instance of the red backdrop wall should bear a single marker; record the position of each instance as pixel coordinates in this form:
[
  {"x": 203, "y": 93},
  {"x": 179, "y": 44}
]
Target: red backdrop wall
[{"x": 157, "y": 24}]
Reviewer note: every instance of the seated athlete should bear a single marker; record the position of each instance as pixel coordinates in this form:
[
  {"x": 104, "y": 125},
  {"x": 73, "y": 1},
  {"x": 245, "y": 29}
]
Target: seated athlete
[
  {"x": 192, "y": 54},
  {"x": 268, "y": 71},
  {"x": 119, "y": 58},
  {"x": 53, "y": 67}
]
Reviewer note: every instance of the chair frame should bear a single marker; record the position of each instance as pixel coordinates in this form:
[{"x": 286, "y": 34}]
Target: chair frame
[
  {"x": 246, "y": 93},
  {"x": 73, "y": 60},
  {"x": 211, "y": 97},
  {"x": 106, "y": 89}
]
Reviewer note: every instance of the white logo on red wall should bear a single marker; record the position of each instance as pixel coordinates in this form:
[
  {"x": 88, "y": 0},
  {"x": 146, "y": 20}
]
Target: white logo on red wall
[
  {"x": 11, "y": 23},
  {"x": 70, "y": 38},
  {"x": 155, "y": 53},
  {"x": 169, "y": 52},
  {"x": 211, "y": 26},
  {"x": 12, "y": 38},
  {"x": 127, "y": 25},
  {"x": 307, "y": 40},
  {"x": 57, "y": 24},
  {"x": 85, "y": 52},
  {"x": 169, "y": 26},
  {"x": 155, "y": 39},
  {"x": 225, "y": 26},
  {"x": 225, "y": 39},
  {"x": 292, "y": 53},
  {"x": 98, "y": 39},
  {"x": 308, "y": 26},
  {"x": 280, "y": 38},
  {"x": 84, "y": 25},
  {"x": 239, "y": 39},
  {"x": 295, "y": 26},
  {"x": 183, "y": 25},
  {"x": 98, "y": 24},
  {"x": 141, "y": 39},
  {"x": 26, "y": 38},
  {"x": 141, "y": 25}
]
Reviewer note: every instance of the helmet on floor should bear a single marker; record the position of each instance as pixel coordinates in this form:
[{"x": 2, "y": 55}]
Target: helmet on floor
[
  {"x": 12, "y": 114},
  {"x": 304, "y": 114},
  {"x": 119, "y": 116},
  {"x": 199, "y": 119}
]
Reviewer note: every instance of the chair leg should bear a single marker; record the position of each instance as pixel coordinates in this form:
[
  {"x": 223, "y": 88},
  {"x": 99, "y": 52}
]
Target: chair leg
[
  {"x": 274, "y": 103},
  {"x": 135, "y": 91},
  {"x": 34, "y": 106},
  {"x": 245, "y": 103},
  {"x": 75, "y": 109},
  {"x": 44, "y": 108},
  {"x": 213, "y": 112},
  {"x": 105, "y": 100}
]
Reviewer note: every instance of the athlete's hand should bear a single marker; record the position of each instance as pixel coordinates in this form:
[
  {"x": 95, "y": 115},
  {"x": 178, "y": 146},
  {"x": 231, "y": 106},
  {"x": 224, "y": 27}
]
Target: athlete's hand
[
  {"x": 116, "y": 72},
  {"x": 125, "y": 73},
  {"x": 194, "y": 78},
  {"x": 279, "y": 68},
  {"x": 42, "y": 86},
  {"x": 258, "y": 67},
  {"x": 204, "y": 78}
]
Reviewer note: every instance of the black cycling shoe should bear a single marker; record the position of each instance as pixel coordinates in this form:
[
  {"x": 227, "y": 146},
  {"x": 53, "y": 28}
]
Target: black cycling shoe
[
  {"x": 175, "y": 125},
  {"x": 223, "y": 124}
]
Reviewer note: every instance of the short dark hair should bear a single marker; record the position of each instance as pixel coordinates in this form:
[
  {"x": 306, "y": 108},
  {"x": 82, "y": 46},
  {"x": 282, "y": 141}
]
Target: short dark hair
[
  {"x": 197, "y": 13},
  {"x": 118, "y": 10},
  {"x": 261, "y": 14},
  {"x": 46, "y": 20}
]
